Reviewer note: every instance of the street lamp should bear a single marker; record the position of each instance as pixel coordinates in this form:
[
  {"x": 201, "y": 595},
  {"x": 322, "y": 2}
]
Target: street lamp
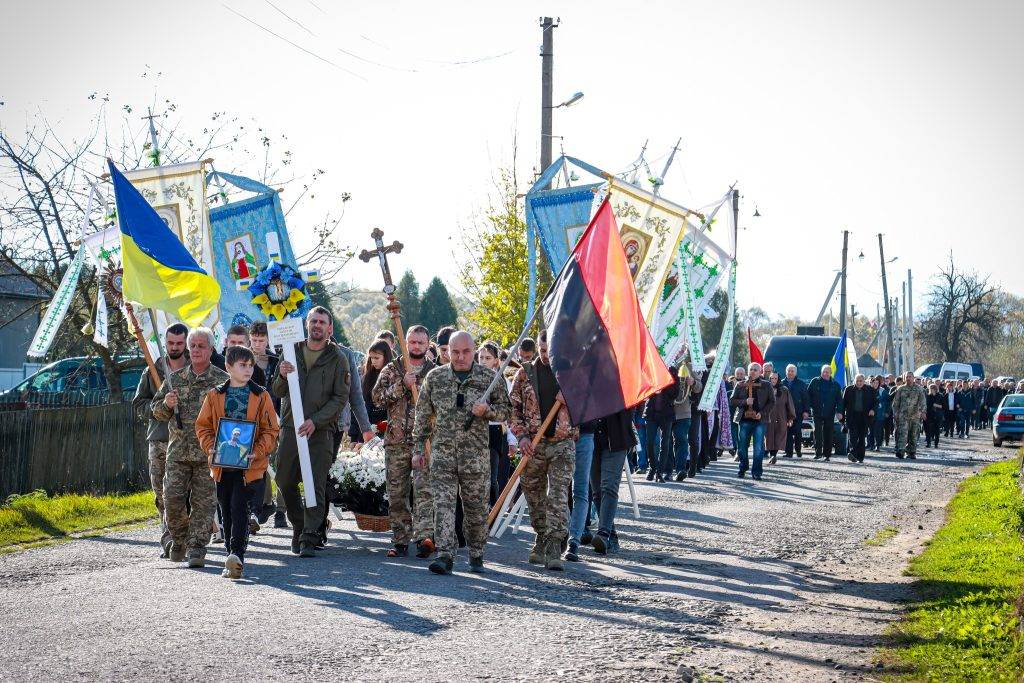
[{"x": 571, "y": 101}]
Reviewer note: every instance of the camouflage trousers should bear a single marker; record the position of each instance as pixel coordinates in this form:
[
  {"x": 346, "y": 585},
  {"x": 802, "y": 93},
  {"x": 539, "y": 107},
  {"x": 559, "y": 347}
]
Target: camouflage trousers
[
  {"x": 157, "y": 467},
  {"x": 468, "y": 473},
  {"x": 546, "y": 480},
  {"x": 189, "y": 481},
  {"x": 418, "y": 523},
  {"x": 906, "y": 434}
]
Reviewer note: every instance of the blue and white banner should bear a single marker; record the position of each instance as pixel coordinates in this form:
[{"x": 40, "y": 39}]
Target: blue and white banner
[{"x": 240, "y": 245}]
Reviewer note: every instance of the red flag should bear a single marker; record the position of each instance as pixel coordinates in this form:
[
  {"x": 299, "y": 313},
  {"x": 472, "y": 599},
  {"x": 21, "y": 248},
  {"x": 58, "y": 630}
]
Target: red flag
[
  {"x": 601, "y": 350},
  {"x": 755, "y": 353}
]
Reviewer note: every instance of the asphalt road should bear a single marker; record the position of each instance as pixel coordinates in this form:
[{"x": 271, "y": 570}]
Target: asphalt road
[{"x": 720, "y": 579}]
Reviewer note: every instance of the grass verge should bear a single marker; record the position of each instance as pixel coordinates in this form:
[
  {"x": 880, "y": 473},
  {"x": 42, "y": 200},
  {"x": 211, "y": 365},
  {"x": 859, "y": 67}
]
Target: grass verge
[
  {"x": 966, "y": 625},
  {"x": 36, "y": 517}
]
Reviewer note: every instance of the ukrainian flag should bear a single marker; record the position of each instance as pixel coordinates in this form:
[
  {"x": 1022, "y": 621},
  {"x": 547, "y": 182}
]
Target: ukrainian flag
[
  {"x": 839, "y": 362},
  {"x": 158, "y": 270}
]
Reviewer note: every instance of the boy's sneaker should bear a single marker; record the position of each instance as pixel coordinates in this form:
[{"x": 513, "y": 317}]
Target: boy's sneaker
[
  {"x": 573, "y": 553},
  {"x": 176, "y": 553},
  {"x": 280, "y": 521},
  {"x": 196, "y": 558},
  {"x": 254, "y": 524},
  {"x": 442, "y": 565},
  {"x": 476, "y": 565},
  {"x": 233, "y": 567}
]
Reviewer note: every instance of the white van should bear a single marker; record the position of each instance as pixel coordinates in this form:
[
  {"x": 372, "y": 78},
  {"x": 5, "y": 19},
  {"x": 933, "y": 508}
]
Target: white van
[{"x": 946, "y": 371}]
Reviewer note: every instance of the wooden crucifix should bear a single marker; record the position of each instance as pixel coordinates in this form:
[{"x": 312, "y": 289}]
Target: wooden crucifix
[{"x": 381, "y": 253}]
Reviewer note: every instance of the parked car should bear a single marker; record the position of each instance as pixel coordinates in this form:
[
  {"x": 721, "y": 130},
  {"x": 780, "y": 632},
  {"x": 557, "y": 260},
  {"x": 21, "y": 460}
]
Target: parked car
[
  {"x": 70, "y": 382},
  {"x": 944, "y": 371},
  {"x": 1008, "y": 422},
  {"x": 808, "y": 353}
]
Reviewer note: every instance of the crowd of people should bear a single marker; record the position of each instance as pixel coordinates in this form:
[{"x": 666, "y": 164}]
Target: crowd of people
[{"x": 452, "y": 430}]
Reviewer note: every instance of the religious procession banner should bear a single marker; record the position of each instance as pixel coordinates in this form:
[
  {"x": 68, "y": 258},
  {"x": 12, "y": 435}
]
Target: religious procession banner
[
  {"x": 240, "y": 253},
  {"x": 58, "y": 308},
  {"x": 560, "y": 217},
  {"x": 707, "y": 401},
  {"x": 178, "y": 194},
  {"x": 650, "y": 228},
  {"x": 706, "y": 263},
  {"x": 104, "y": 250}
]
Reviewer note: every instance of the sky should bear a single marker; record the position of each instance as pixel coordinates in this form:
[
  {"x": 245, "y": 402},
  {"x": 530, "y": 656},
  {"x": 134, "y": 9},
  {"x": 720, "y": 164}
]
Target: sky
[{"x": 877, "y": 116}]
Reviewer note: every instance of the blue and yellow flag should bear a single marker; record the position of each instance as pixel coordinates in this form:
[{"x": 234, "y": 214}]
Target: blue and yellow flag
[
  {"x": 839, "y": 363},
  {"x": 158, "y": 270}
]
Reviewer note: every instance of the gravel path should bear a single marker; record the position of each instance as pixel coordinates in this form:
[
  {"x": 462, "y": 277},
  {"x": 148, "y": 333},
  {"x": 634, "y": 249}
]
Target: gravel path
[{"x": 721, "y": 579}]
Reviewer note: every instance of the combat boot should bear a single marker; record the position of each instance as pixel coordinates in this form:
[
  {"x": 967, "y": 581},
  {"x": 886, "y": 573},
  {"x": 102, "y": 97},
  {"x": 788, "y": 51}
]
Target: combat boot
[
  {"x": 442, "y": 565},
  {"x": 553, "y": 554},
  {"x": 537, "y": 554},
  {"x": 177, "y": 553},
  {"x": 196, "y": 558}
]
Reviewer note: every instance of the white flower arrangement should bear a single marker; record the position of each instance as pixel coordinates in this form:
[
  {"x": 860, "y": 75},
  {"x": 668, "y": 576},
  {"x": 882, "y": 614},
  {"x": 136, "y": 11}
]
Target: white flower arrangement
[{"x": 360, "y": 479}]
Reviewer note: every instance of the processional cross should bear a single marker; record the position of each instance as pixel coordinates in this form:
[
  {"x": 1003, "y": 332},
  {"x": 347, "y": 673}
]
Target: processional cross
[{"x": 381, "y": 252}]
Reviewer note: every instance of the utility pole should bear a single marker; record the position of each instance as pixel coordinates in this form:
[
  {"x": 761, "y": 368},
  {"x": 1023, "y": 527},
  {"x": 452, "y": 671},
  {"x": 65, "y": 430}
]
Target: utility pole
[
  {"x": 152, "y": 137},
  {"x": 910, "y": 318},
  {"x": 888, "y": 315},
  {"x": 903, "y": 331},
  {"x": 898, "y": 359},
  {"x": 842, "y": 288},
  {"x": 547, "y": 87}
]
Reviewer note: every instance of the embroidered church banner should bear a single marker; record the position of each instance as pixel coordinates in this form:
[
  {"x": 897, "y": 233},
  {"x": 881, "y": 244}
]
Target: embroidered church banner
[
  {"x": 240, "y": 245},
  {"x": 560, "y": 216},
  {"x": 650, "y": 228}
]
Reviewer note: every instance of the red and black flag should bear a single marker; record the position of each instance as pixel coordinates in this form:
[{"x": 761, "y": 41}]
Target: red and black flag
[{"x": 601, "y": 350}]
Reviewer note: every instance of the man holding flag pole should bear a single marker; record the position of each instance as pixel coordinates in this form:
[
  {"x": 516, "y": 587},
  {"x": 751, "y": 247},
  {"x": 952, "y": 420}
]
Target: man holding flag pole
[{"x": 160, "y": 273}]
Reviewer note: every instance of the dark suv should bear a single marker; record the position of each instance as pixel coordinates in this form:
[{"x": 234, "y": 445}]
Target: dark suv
[{"x": 71, "y": 382}]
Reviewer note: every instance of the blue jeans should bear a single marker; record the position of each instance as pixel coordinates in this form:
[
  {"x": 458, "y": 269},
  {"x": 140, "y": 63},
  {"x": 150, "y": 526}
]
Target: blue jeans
[
  {"x": 735, "y": 428},
  {"x": 641, "y": 448},
  {"x": 681, "y": 435},
  {"x": 611, "y": 476},
  {"x": 748, "y": 430},
  {"x": 581, "y": 487},
  {"x": 658, "y": 446}
]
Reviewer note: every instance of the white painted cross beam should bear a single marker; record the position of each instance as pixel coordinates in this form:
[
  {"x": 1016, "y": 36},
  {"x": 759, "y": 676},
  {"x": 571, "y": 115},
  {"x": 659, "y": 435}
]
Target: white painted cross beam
[{"x": 288, "y": 333}]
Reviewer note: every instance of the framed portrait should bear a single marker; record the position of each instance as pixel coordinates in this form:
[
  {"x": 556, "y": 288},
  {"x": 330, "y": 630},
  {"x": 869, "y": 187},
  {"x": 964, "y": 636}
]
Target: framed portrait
[
  {"x": 169, "y": 214},
  {"x": 234, "y": 443}
]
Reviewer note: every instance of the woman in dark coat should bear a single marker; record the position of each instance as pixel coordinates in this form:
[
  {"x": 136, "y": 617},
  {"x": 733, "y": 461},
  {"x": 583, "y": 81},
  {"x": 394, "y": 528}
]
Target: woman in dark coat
[
  {"x": 377, "y": 356},
  {"x": 782, "y": 416}
]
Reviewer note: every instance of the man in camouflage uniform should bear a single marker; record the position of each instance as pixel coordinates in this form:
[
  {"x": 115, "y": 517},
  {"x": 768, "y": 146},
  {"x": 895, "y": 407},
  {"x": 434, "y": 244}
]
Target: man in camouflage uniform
[
  {"x": 188, "y": 470},
  {"x": 547, "y": 476},
  {"x": 908, "y": 406},
  {"x": 394, "y": 391},
  {"x": 156, "y": 432},
  {"x": 452, "y": 397}
]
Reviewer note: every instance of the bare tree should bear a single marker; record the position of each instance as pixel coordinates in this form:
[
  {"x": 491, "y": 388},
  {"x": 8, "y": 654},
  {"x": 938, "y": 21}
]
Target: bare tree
[
  {"x": 963, "y": 316},
  {"x": 45, "y": 180}
]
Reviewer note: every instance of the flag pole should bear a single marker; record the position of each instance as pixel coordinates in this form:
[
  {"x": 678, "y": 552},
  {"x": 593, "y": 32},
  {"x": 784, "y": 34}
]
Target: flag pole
[
  {"x": 499, "y": 503},
  {"x": 137, "y": 329}
]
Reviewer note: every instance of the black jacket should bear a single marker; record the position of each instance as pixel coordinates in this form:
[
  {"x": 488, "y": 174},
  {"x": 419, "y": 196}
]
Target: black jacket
[
  {"x": 798, "y": 392},
  {"x": 660, "y": 406},
  {"x": 614, "y": 432},
  {"x": 935, "y": 407},
  {"x": 258, "y": 376},
  {"x": 868, "y": 399},
  {"x": 824, "y": 397}
]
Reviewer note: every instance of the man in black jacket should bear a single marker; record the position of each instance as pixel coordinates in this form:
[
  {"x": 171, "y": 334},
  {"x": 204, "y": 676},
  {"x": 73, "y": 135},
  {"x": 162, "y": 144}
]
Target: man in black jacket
[
  {"x": 825, "y": 399},
  {"x": 858, "y": 409},
  {"x": 752, "y": 403},
  {"x": 659, "y": 413},
  {"x": 798, "y": 392}
]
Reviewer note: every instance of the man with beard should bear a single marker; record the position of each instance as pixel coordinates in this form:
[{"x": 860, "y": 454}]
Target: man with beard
[
  {"x": 157, "y": 435},
  {"x": 324, "y": 377},
  {"x": 393, "y": 390}
]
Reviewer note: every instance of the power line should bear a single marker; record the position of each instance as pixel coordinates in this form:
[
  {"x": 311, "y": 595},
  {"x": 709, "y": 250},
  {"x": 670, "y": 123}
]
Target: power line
[
  {"x": 295, "y": 45},
  {"x": 291, "y": 19}
]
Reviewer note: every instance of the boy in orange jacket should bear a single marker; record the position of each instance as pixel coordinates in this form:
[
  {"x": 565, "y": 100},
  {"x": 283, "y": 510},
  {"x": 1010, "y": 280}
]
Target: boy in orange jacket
[{"x": 241, "y": 399}]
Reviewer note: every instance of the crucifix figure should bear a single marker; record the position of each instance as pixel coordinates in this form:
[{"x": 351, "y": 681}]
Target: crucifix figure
[{"x": 381, "y": 252}]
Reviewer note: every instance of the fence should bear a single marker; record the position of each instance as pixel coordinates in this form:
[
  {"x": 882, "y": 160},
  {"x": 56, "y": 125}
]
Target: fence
[{"x": 85, "y": 449}]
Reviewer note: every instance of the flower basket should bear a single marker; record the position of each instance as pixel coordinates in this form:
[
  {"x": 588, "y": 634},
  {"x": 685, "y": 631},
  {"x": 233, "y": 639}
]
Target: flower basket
[
  {"x": 372, "y": 522},
  {"x": 357, "y": 483}
]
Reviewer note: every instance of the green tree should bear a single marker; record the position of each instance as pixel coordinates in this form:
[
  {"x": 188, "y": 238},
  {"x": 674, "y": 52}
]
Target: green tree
[
  {"x": 436, "y": 307},
  {"x": 319, "y": 296},
  {"x": 711, "y": 331},
  {"x": 495, "y": 272},
  {"x": 408, "y": 295}
]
